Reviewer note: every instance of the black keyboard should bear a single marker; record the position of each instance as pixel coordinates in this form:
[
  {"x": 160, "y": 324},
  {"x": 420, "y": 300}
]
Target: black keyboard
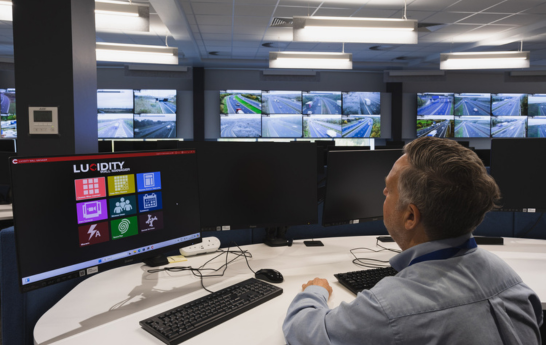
[
  {"x": 364, "y": 280},
  {"x": 188, "y": 320}
]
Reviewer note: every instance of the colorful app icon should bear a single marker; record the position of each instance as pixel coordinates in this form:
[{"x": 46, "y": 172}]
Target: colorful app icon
[
  {"x": 92, "y": 211},
  {"x": 122, "y": 206},
  {"x": 150, "y": 221},
  {"x": 93, "y": 233},
  {"x": 150, "y": 202},
  {"x": 121, "y": 184},
  {"x": 121, "y": 228},
  {"x": 148, "y": 181},
  {"x": 90, "y": 188}
]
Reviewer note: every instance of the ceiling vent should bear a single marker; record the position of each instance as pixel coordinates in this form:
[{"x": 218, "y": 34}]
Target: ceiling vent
[{"x": 282, "y": 23}]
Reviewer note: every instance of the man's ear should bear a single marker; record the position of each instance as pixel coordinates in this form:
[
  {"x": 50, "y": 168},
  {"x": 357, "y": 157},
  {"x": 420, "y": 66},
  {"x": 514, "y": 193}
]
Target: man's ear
[{"x": 412, "y": 217}]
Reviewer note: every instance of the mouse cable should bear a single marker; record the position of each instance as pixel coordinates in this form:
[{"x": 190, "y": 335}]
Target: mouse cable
[{"x": 372, "y": 263}]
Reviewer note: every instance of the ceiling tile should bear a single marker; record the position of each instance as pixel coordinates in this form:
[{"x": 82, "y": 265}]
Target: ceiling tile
[
  {"x": 259, "y": 11},
  {"x": 430, "y": 5},
  {"x": 456, "y": 28},
  {"x": 251, "y": 37},
  {"x": 417, "y": 15},
  {"x": 483, "y": 18},
  {"x": 214, "y": 20},
  {"x": 215, "y": 29},
  {"x": 219, "y": 43},
  {"x": 386, "y": 4},
  {"x": 247, "y": 29},
  {"x": 252, "y": 21},
  {"x": 368, "y": 12},
  {"x": 216, "y": 37},
  {"x": 246, "y": 44},
  {"x": 475, "y": 5},
  {"x": 446, "y": 17},
  {"x": 331, "y": 12},
  {"x": 539, "y": 9},
  {"x": 521, "y": 19},
  {"x": 514, "y": 6},
  {"x": 208, "y": 8},
  {"x": 290, "y": 11},
  {"x": 256, "y": 2}
]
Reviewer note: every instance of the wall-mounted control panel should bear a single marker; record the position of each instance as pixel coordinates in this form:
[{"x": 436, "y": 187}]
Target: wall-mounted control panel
[{"x": 43, "y": 120}]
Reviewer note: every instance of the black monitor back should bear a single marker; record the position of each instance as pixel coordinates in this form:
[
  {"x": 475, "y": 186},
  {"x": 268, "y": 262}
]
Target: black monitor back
[
  {"x": 105, "y": 146},
  {"x": 485, "y": 156},
  {"x": 246, "y": 185},
  {"x": 519, "y": 168},
  {"x": 354, "y": 185},
  {"x": 123, "y": 145},
  {"x": 7, "y": 145}
]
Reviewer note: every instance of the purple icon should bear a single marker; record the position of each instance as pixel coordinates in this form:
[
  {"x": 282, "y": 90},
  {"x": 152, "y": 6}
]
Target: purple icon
[{"x": 92, "y": 211}]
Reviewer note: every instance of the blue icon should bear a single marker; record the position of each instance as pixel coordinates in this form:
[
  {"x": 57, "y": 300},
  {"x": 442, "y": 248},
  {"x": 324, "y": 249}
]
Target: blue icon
[
  {"x": 27, "y": 280},
  {"x": 150, "y": 202},
  {"x": 139, "y": 250},
  {"x": 148, "y": 181},
  {"x": 100, "y": 260}
]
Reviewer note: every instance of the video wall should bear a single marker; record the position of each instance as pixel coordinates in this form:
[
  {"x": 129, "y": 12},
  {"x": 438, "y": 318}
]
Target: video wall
[
  {"x": 136, "y": 113},
  {"x": 8, "y": 122},
  {"x": 299, "y": 114},
  {"x": 481, "y": 115}
]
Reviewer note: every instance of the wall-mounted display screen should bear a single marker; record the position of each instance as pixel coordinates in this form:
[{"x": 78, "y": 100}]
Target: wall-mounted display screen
[
  {"x": 440, "y": 126},
  {"x": 7, "y": 113},
  {"x": 537, "y": 105},
  {"x": 281, "y": 102},
  {"x": 115, "y": 125},
  {"x": 282, "y": 126},
  {"x": 155, "y": 101},
  {"x": 240, "y": 126},
  {"x": 322, "y": 126},
  {"x": 472, "y": 126},
  {"x": 508, "y": 104},
  {"x": 321, "y": 102},
  {"x": 434, "y": 104},
  {"x": 508, "y": 126},
  {"x": 478, "y": 104},
  {"x": 155, "y": 126},
  {"x": 241, "y": 102},
  {"x": 361, "y": 103},
  {"x": 115, "y": 101},
  {"x": 361, "y": 126},
  {"x": 536, "y": 127}
]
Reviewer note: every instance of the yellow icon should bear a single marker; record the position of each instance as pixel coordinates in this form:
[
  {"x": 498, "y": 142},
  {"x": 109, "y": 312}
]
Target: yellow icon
[{"x": 121, "y": 184}]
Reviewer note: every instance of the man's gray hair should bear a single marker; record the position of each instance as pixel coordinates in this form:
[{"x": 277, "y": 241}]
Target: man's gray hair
[{"x": 449, "y": 185}]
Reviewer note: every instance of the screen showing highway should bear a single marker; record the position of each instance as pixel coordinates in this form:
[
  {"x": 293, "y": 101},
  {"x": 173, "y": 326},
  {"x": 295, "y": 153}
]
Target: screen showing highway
[
  {"x": 7, "y": 110},
  {"x": 361, "y": 126},
  {"x": 320, "y": 102},
  {"x": 282, "y": 126},
  {"x": 155, "y": 101},
  {"x": 434, "y": 104},
  {"x": 241, "y": 102},
  {"x": 115, "y": 101},
  {"x": 509, "y": 104},
  {"x": 155, "y": 126},
  {"x": 281, "y": 102},
  {"x": 537, "y": 105},
  {"x": 361, "y": 103},
  {"x": 322, "y": 126},
  {"x": 508, "y": 126},
  {"x": 115, "y": 125},
  {"x": 472, "y": 126},
  {"x": 472, "y": 104},
  {"x": 240, "y": 126},
  {"x": 537, "y": 127},
  {"x": 435, "y": 126}
]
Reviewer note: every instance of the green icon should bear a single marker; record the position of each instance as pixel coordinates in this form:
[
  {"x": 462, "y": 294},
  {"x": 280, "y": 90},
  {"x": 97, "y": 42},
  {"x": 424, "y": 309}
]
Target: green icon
[{"x": 125, "y": 227}]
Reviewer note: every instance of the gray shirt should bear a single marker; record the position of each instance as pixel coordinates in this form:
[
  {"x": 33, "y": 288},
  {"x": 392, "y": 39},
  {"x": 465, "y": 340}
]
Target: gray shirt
[{"x": 471, "y": 298}]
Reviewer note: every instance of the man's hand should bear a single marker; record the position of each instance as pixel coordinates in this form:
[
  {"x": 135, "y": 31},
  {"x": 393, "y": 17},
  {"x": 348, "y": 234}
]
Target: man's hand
[{"x": 319, "y": 282}]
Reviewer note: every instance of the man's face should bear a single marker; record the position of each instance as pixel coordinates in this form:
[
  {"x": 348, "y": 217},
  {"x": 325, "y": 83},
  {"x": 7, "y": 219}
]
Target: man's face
[{"x": 392, "y": 216}]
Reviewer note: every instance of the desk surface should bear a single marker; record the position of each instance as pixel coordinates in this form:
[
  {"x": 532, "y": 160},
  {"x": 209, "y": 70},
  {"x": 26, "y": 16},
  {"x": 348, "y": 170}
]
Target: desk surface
[{"x": 106, "y": 308}]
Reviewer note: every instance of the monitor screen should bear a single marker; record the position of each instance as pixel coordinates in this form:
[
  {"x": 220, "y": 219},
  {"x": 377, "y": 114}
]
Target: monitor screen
[
  {"x": 78, "y": 215},
  {"x": 321, "y": 102},
  {"x": 361, "y": 126},
  {"x": 508, "y": 126},
  {"x": 155, "y": 101},
  {"x": 240, "y": 102},
  {"x": 509, "y": 104},
  {"x": 472, "y": 126},
  {"x": 434, "y": 103},
  {"x": 354, "y": 185},
  {"x": 361, "y": 103},
  {"x": 478, "y": 104},
  {"x": 282, "y": 126},
  {"x": 240, "y": 126},
  {"x": 441, "y": 126},
  {"x": 246, "y": 185},
  {"x": 155, "y": 125},
  {"x": 8, "y": 122},
  {"x": 281, "y": 102},
  {"x": 115, "y": 125},
  {"x": 537, "y": 104},
  {"x": 322, "y": 126},
  {"x": 536, "y": 127},
  {"x": 110, "y": 101},
  {"x": 519, "y": 174}
]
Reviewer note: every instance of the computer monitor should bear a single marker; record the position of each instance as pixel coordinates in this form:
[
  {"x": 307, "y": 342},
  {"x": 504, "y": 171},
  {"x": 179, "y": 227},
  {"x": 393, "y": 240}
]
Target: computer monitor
[
  {"x": 354, "y": 185},
  {"x": 247, "y": 185},
  {"x": 519, "y": 172},
  {"x": 79, "y": 215}
]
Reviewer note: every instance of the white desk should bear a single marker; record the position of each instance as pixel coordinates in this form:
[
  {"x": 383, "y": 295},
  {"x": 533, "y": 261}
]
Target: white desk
[{"x": 106, "y": 308}]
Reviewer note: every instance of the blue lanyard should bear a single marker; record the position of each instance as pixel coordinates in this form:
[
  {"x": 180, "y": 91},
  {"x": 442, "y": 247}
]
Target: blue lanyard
[{"x": 446, "y": 253}]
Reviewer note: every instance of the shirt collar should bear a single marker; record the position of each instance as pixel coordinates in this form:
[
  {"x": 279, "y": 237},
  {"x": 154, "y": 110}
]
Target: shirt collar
[{"x": 402, "y": 260}]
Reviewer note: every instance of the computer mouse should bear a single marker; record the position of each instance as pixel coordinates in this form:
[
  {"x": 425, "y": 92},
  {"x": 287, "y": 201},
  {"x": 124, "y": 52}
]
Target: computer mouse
[{"x": 269, "y": 275}]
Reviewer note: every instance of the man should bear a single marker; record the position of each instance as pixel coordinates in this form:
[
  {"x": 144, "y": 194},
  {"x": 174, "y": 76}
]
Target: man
[{"x": 447, "y": 290}]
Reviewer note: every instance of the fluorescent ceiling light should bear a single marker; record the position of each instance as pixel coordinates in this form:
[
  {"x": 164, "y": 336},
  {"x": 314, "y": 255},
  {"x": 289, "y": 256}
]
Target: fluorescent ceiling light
[
  {"x": 137, "y": 53},
  {"x": 355, "y": 30},
  {"x": 306, "y": 60},
  {"x": 116, "y": 8},
  {"x": 485, "y": 60},
  {"x": 6, "y": 12},
  {"x": 115, "y": 15}
]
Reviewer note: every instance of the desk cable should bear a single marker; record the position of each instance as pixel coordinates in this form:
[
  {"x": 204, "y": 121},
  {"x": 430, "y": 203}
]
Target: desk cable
[
  {"x": 198, "y": 272},
  {"x": 372, "y": 263}
]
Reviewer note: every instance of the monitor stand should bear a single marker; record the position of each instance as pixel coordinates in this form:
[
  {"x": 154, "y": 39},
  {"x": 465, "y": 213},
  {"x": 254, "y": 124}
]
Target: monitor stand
[
  {"x": 313, "y": 243},
  {"x": 159, "y": 260},
  {"x": 275, "y": 237}
]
